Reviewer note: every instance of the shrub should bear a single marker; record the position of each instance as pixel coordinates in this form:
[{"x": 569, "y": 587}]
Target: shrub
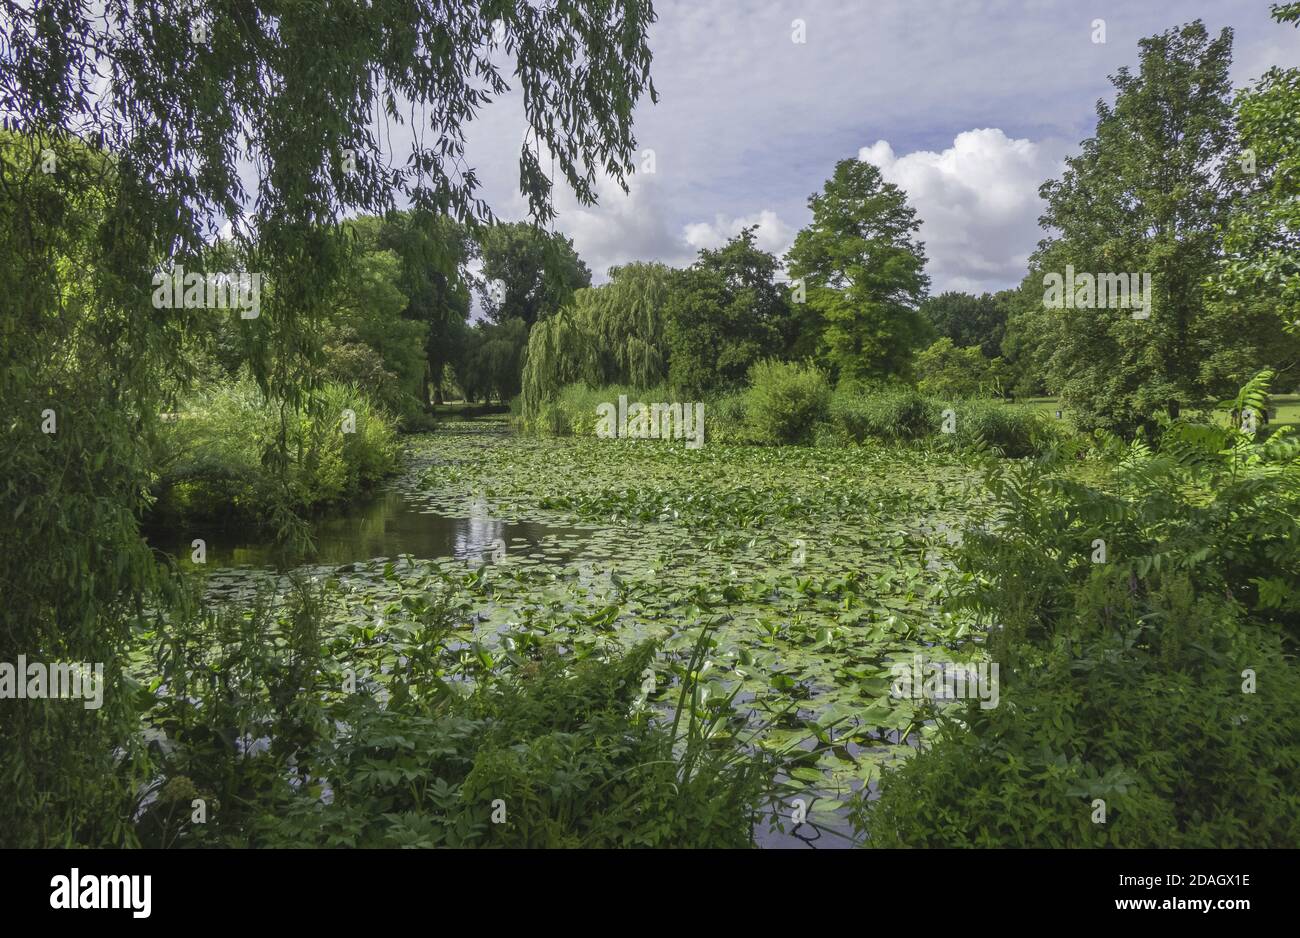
[
  {"x": 1014, "y": 431},
  {"x": 573, "y": 411},
  {"x": 785, "y": 401},
  {"x": 217, "y": 454},
  {"x": 726, "y": 418},
  {"x": 1124, "y": 673},
  {"x": 1137, "y": 702},
  {"x": 885, "y": 415}
]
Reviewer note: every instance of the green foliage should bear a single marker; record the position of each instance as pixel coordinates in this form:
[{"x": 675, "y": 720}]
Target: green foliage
[
  {"x": 434, "y": 250},
  {"x": 725, "y": 313},
  {"x": 1262, "y": 243},
  {"x": 71, "y": 559},
  {"x": 1141, "y": 706},
  {"x": 367, "y": 338},
  {"x": 969, "y": 320},
  {"x": 491, "y": 360},
  {"x": 562, "y": 750},
  {"x": 887, "y": 415},
  {"x": 573, "y": 411},
  {"x": 864, "y": 274},
  {"x": 528, "y": 273},
  {"x": 1147, "y": 196},
  {"x": 785, "y": 401},
  {"x": 726, "y": 418},
  {"x": 943, "y": 370},
  {"x": 1124, "y": 671},
  {"x": 611, "y": 334},
  {"x": 172, "y": 120},
  {"x": 1006, "y": 429},
  {"x": 213, "y": 456}
]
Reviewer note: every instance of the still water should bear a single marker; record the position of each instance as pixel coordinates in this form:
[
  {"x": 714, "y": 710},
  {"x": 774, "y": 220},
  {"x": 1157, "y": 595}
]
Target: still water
[{"x": 385, "y": 525}]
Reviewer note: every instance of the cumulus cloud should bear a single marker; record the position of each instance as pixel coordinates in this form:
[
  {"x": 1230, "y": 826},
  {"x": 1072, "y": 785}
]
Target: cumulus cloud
[
  {"x": 622, "y": 226},
  {"x": 978, "y": 202},
  {"x": 773, "y": 235}
]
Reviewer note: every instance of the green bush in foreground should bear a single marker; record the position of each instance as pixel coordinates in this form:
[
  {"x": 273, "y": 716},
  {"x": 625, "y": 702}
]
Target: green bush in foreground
[
  {"x": 1145, "y": 635},
  {"x": 444, "y": 747},
  {"x": 1141, "y": 707}
]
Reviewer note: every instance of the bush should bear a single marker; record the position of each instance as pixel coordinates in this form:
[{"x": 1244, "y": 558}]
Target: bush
[
  {"x": 726, "y": 418},
  {"x": 885, "y": 415},
  {"x": 1012, "y": 430},
  {"x": 218, "y": 453},
  {"x": 573, "y": 411},
  {"x": 785, "y": 401},
  {"x": 1138, "y": 703},
  {"x": 1124, "y": 674}
]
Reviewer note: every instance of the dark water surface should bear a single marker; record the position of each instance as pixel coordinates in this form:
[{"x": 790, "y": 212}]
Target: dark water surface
[{"x": 384, "y": 525}]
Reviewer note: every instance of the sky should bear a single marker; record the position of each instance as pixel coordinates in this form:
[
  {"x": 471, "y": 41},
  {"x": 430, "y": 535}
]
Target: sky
[{"x": 968, "y": 105}]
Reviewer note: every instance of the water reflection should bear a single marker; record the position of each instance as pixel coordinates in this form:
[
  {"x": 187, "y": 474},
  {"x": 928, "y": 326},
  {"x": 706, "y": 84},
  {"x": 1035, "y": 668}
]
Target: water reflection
[{"x": 386, "y": 525}]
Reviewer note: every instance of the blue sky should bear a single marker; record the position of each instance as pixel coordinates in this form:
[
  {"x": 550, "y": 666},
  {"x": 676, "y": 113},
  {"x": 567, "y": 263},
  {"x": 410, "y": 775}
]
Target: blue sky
[{"x": 967, "y": 104}]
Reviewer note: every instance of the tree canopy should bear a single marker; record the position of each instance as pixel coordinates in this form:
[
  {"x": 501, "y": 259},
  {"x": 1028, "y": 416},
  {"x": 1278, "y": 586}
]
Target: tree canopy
[{"x": 863, "y": 272}]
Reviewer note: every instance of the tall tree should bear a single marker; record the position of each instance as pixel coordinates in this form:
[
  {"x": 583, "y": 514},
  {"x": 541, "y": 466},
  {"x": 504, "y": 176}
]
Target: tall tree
[
  {"x": 369, "y": 338},
  {"x": 491, "y": 360},
  {"x": 1148, "y": 195},
  {"x": 1262, "y": 244},
  {"x": 528, "y": 272},
  {"x": 611, "y": 334},
  {"x": 863, "y": 272},
  {"x": 434, "y": 251},
  {"x": 725, "y": 313}
]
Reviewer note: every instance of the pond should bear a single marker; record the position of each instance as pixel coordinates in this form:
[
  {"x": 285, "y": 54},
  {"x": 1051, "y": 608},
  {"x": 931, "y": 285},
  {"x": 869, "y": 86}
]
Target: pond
[{"x": 818, "y": 568}]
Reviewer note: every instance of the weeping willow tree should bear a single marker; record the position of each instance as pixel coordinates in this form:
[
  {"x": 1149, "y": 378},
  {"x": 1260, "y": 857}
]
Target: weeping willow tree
[{"x": 611, "y": 334}]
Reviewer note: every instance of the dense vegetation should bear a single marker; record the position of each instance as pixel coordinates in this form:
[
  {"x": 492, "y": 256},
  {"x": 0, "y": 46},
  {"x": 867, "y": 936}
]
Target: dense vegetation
[{"x": 714, "y": 636}]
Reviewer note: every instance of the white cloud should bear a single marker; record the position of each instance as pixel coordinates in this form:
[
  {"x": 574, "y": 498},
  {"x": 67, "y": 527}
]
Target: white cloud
[
  {"x": 773, "y": 235},
  {"x": 978, "y": 203}
]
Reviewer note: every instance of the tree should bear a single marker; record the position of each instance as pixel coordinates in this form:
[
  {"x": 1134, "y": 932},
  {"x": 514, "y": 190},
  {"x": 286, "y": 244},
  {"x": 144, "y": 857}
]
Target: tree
[
  {"x": 968, "y": 319},
  {"x": 369, "y": 338},
  {"x": 863, "y": 273},
  {"x": 492, "y": 360},
  {"x": 1027, "y": 341},
  {"x": 948, "y": 371},
  {"x": 725, "y": 313},
  {"x": 434, "y": 251},
  {"x": 611, "y": 334},
  {"x": 528, "y": 273},
  {"x": 1148, "y": 195},
  {"x": 1262, "y": 244}
]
